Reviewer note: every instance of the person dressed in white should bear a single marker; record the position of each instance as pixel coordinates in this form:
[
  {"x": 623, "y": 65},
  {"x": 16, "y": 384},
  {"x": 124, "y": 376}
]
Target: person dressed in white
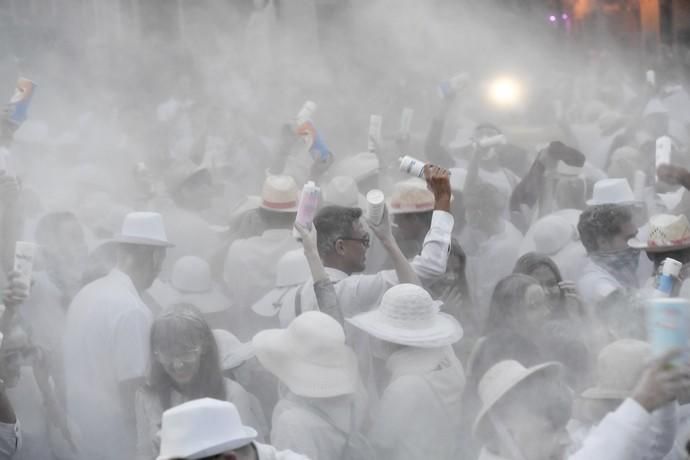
[
  {"x": 211, "y": 429},
  {"x": 106, "y": 341},
  {"x": 420, "y": 412},
  {"x": 321, "y": 411}
]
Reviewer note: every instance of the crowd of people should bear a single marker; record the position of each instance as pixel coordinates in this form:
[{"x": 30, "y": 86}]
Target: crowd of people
[{"x": 176, "y": 308}]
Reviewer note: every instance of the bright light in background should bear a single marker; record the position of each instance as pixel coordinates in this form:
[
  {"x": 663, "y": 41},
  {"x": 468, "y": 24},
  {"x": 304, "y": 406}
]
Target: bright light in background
[
  {"x": 505, "y": 92},
  {"x": 564, "y": 16},
  {"x": 552, "y": 18}
]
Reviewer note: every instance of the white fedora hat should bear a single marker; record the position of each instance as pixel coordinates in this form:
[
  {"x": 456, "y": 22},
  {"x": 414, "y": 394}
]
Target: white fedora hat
[
  {"x": 500, "y": 379},
  {"x": 360, "y": 166},
  {"x": 191, "y": 278},
  {"x": 411, "y": 196},
  {"x": 666, "y": 233},
  {"x": 232, "y": 352},
  {"x": 619, "y": 367},
  {"x": 202, "y": 428},
  {"x": 292, "y": 270},
  {"x": 279, "y": 194},
  {"x": 612, "y": 191},
  {"x": 409, "y": 316},
  {"x": 343, "y": 191},
  {"x": 145, "y": 228},
  {"x": 310, "y": 356}
]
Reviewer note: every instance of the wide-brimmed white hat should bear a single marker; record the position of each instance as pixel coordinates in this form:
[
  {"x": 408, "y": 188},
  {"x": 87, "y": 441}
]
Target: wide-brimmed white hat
[
  {"x": 232, "y": 352},
  {"x": 360, "y": 166},
  {"x": 619, "y": 367},
  {"x": 292, "y": 270},
  {"x": 191, "y": 278},
  {"x": 202, "y": 428},
  {"x": 411, "y": 196},
  {"x": 279, "y": 194},
  {"x": 612, "y": 191},
  {"x": 310, "y": 356},
  {"x": 409, "y": 316},
  {"x": 666, "y": 233},
  {"x": 500, "y": 379},
  {"x": 145, "y": 228},
  {"x": 343, "y": 191}
]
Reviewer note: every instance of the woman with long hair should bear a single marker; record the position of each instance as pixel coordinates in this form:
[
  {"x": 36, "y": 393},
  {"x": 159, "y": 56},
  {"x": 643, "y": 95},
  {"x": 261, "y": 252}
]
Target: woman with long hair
[{"x": 185, "y": 365}]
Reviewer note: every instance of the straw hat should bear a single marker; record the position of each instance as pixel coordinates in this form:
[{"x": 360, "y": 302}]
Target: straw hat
[
  {"x": 202, "y": 428},
  {"x": 191, "y": 278},
  {"x": 619, "y": 367},
  {"x": 145, "y": 228},
  {"x": 232, "y": 352},
  {"x": 411, "y": 196},
  {"x": 310, "y": 356},
  {"x": 279, "y": 194},
  {"x": 359, "y": 167},
  {"x": 612, "y": 191},
  {"x": 292, "y": 270},
  {"x": 343, "y": 191},
  {"x": 500, "y": 379},
  {"x": 666, "y": 233},
  {"x": 409, "y": 316}
]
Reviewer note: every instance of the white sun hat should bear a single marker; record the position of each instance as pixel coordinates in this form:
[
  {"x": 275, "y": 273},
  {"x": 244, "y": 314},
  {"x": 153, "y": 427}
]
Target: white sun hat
[
  {"x": 500, "y": 379},
  {"x": 619, "y": 367},
  {"x": 145, "y": 228},
  {"x": 279, "y": 194},
  {"x": 292, "y": 271},
  {"x": 232, "y": 352},
  {"x": 409, "y": 316},
  {"x": 360, "y": 166},
  {"x": 666, "y": 233},
  {"x": 310, "y": 356},
  {"x": 411, "y": 196},
  {"x": 612, "y": 191},
  {"x": 343, "y": 191},
  {"x": 202, "y": 428},
  {"x": 551, "y": 234},
  {"x": 191, "y": 278}
]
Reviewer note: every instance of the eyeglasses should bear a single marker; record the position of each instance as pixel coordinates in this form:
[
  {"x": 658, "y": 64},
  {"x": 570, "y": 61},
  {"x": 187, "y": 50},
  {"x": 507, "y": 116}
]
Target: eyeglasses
[
  {"x": 365, "y": 240},
  {"x": 185, "y": 357}
]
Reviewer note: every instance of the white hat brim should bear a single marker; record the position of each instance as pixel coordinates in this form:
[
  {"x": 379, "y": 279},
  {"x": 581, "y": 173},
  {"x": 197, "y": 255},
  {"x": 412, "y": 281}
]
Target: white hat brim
[
  {"x": 211, "y": 301},
  {"x": 603, "y": 393},
  {"x": 445, "y": 331},
  {"x": 248, "y": 435},
  {"x": 266, "y": 305},
  {"x": 638, "y": 244},
  {"x": 286, "y": 210},
  {"x": 274, "y": 351},
  {"x": 142, "y": 241}
]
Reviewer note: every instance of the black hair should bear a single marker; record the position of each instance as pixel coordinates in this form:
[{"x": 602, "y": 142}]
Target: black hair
[
  {"x": 601, "y": 221},
  {"x": 508, "y": 301},
  {"x": 333, "y": 223}
]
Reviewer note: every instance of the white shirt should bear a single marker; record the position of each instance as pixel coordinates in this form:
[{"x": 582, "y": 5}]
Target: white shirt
[
  {"x": 596, "y": 283},
  {"x": 106, "y": 344},
  {"x": 250, "y": 265},
  {"x": 266, "y": 452},
  {"x": 420, "y": 412},
  {"x": 10, "y": 440}
]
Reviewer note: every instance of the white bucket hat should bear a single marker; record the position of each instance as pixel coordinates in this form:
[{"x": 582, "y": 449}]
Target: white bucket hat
[
  {"x": 666, "y": 233},
  {"x": 191, "y": 278},
  {"x": 619, "y": 367},
  {"x": 343, "y": 191},
  {"x": 145, "y": 228},
  {"x": 411, "y": 196},
  {"x": 409, "y": 316},
  {"x": 612, "y": 191},
  {"x": 500, "y": 379},
  {"x": 232, "y": 352},
  {"x": 279, "y": 194},
  {"x": 310, "y": 356},
  {"x": 359, "y": 167},
  {"x": 202, "y": 428},
  {"x": 292, "y": 270}
]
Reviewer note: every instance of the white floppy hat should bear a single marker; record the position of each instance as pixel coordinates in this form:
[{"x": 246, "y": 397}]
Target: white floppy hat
[
  {"x": 292, "y": 270},
  {"x": 409, "y": 316},
  {"x": 666, "y": 233},
  {"x": 279, "y": 194},
  {"x": 612, "y": 191},
  {"x": 411, "y": 196},
  {"x": 191, "y": 278},
  {"x": 343, "y": 191},
  {"x": 232, "y": 352},
  {"x": 310, "y": 356},
  {"x": 202, "y": 428},
  {"x": 360, "y": 166},
  {"x": 500, "y": 379},
  {"x": 145, "y": 228},
  {"x": 619, "y": 367}
]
